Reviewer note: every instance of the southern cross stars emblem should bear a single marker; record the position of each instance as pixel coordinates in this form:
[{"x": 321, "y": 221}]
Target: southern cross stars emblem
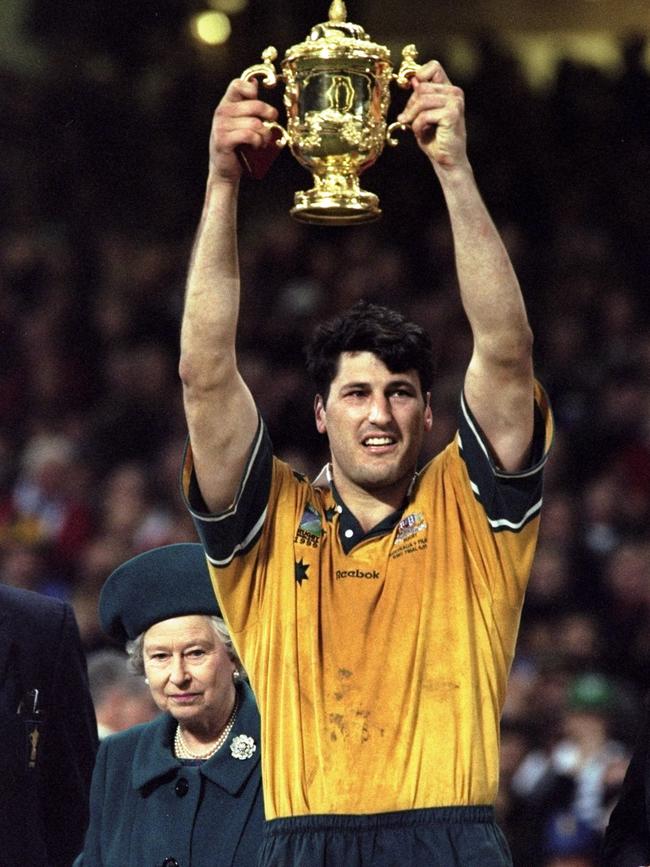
[
  {"x": 330, "y": 513},
  {"x": 300, "y": 571}
]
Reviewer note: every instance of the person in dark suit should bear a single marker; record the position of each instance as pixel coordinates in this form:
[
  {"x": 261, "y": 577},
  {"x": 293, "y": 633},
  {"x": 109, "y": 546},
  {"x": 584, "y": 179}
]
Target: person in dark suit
[
  {"x": 183, "y": 790},
  {"x": 49, "y": 733},
  {"x": 627, "y": 836}
]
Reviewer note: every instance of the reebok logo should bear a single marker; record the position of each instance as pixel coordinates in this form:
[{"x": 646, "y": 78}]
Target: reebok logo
[{"x": 357, "y": 573}]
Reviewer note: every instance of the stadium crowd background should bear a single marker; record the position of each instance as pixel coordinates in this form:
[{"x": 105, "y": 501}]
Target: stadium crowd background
[{"x": 101, "y": 179}]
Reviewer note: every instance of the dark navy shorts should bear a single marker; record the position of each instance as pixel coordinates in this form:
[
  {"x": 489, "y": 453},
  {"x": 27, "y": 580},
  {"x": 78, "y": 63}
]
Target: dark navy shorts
[{"x": 434, "y": 837}]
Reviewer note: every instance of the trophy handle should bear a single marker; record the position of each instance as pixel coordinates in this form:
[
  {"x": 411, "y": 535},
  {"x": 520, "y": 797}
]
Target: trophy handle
[
  {"x": 265, "y": 70},
  {"x": 283, "y": 138},
  {"x": 393, "y": 142},
  {"x": 270, "y": 78},
  {"x": 256, "y": 161},
  {"x": 403, "y": 76}
]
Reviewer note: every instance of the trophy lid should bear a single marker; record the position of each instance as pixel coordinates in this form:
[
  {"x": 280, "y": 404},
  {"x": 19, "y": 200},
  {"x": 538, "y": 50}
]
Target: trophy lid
[{"x": 337, "y": 38}]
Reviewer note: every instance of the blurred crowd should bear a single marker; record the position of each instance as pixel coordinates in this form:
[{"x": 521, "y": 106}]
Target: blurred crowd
[{"x": 101, "y": 183}]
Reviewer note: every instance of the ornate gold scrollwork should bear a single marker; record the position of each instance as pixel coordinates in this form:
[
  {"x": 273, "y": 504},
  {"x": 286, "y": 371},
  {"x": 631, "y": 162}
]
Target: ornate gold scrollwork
[
  {"x": 408, "y": 67},
  {"x": 265, "y": 70}
]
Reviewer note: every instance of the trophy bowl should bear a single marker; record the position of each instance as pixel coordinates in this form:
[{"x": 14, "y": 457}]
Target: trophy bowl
[{"x": 336, "y": 96}]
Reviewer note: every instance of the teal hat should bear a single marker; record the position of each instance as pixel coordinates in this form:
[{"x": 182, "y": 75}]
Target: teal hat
[{"x": 171, "y": 581}]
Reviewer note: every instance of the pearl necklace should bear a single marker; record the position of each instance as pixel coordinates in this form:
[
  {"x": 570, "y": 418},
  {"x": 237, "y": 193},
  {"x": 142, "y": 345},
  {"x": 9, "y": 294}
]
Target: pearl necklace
[{"x": 180, "y": 747}]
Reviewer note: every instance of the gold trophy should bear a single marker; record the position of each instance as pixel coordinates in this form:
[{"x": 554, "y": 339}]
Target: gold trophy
[{"x": 337, "y": 93}]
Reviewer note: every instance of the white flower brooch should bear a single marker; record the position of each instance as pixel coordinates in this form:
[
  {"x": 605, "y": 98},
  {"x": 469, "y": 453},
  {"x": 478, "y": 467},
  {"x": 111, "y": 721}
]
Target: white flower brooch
[{"x": 242, "y": 747}]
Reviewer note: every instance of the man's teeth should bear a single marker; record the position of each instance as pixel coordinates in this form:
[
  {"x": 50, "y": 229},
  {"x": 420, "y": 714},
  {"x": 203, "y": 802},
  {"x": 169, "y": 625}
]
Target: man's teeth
[{"x": 378, "y": 441}]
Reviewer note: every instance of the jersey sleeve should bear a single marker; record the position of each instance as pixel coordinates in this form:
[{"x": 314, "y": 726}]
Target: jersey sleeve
[
  {"x": 510, "y": 500},
  {"x": 245, "y": 544},
  {"x": 238, "y": 528}
]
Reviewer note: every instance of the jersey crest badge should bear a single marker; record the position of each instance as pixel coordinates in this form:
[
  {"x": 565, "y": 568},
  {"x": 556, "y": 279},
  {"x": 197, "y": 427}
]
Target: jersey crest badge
[
  {"x": 310, "y": 528},
  {"x": 409, "y": 526}
]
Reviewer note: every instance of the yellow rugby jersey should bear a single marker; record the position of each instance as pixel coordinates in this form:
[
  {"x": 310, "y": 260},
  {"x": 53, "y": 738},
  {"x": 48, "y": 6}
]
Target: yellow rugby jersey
[{"x": 379, "y": 662}]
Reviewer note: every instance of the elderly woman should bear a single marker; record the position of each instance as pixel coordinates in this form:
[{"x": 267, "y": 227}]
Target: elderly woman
[{"x": 183, "y": 790}]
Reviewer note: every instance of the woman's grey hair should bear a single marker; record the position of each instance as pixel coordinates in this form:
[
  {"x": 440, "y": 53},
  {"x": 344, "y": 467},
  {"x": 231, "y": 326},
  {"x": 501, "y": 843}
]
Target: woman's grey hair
[{"x": 135, "y": 648}]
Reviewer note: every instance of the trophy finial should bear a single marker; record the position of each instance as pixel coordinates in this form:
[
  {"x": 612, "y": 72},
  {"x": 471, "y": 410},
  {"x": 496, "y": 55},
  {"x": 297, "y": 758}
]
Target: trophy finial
[
  {"x": 338, "y": 29},
  {"x": 338, "y": 12}
]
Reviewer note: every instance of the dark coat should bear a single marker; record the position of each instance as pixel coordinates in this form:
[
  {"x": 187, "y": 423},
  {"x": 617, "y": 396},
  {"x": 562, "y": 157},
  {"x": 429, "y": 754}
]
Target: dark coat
[
  {"x": 627, "y": 837},
  {"x": 148, "y": 810},
  {"x": 46, "y": 779}
]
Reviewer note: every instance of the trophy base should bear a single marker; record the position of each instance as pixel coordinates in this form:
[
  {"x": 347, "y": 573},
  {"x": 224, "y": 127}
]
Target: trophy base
[{"x": 335, "y": 209}]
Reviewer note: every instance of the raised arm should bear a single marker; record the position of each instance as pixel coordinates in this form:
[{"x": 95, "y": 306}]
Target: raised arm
[
  {"x": 220, "y": 411},
  {"x": 499, "y": 378}
]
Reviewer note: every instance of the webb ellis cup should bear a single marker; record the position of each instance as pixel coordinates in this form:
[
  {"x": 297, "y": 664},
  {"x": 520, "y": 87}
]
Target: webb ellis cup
[{"x": 336, "y": 95}]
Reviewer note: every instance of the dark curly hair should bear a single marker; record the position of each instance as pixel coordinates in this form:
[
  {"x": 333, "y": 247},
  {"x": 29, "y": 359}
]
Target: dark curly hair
[{"x": 366, "y": 327}]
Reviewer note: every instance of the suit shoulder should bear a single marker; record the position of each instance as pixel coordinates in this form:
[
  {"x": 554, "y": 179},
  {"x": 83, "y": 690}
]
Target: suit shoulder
[{"x": 34, "y": 609}]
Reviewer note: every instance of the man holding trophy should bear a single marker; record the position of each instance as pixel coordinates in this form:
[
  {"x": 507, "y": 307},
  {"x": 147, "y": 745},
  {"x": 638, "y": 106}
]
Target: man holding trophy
[{"x": 376, "y": 609}]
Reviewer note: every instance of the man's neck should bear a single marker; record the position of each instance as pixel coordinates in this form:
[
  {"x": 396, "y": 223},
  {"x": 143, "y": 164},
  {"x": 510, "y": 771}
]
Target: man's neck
[{"x": 371, "y": 507}]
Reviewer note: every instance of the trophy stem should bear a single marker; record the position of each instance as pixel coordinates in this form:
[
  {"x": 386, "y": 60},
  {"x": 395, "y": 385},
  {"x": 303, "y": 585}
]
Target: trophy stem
[{"x": 336, "y": 199}]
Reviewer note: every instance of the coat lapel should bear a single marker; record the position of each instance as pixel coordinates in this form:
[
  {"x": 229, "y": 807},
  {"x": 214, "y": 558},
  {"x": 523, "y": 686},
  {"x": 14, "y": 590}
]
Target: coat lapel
[
  {"x": 154, "y": 756},
  {"x": 7, "y": 648},
  {"x": 224, "y": 769},
  {"x": 7, "y": 634}
]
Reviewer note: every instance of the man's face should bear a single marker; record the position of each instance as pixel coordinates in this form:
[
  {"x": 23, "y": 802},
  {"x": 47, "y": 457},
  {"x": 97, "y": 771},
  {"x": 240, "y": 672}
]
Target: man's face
[{"x": 375, "y": 421}]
